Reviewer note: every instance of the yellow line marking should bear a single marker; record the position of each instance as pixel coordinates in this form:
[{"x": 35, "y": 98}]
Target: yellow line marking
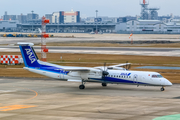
[
  {"x": 34, "y": 96},
  {"x": 31, "y": 97},
  {"x": 15, "y": 107}
]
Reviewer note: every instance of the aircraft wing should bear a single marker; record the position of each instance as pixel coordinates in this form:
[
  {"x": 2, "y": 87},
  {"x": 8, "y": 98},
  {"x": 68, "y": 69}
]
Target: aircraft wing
[
  {"x": 120, "y": 65},
  {"x": 117, "y": 67},
  {"x": 76, "y": 69}
]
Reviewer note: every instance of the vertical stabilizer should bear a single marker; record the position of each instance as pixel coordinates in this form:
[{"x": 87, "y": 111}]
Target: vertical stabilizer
[{"x": 29, "y": 55}]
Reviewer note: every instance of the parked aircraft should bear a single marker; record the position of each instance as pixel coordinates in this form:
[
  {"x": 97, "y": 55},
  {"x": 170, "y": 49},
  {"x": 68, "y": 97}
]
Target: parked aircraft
[{"x": 115, "y": 74}]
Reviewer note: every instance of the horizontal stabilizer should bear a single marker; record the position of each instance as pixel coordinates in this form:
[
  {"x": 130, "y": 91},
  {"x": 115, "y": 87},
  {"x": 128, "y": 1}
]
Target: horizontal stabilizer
[{"x": 25, "y": 44}]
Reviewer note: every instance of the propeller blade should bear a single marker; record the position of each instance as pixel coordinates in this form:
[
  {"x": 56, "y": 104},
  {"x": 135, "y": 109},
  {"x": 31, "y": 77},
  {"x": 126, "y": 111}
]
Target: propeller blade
[
  {"x": 104, "y": 72},
  {"x": 129, "y": 66},
  {"x": 126, "y": 64},
  {"x": 104, "y": 66}
]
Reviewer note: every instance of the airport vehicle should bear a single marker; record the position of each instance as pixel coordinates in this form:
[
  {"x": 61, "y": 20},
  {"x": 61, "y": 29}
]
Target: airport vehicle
[
  {"x": 92, "y": 32},
  {"x": 115, "y": 74}
]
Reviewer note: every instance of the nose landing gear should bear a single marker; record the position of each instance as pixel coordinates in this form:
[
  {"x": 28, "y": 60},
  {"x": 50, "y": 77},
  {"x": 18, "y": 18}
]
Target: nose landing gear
[{"x": 162, "y": 89}]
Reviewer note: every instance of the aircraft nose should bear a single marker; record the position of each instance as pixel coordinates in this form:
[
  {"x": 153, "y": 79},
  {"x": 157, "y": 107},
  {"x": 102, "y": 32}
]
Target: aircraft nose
[{"x": 168, "y": 83}]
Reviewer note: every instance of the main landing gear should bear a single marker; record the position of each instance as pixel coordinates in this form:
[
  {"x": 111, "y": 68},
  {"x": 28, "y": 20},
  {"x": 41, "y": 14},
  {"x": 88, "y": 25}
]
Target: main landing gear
[
  {"x": 104, "y": 84},
  {"x": 82, "y": 86},
  {"x": 162, "y": 89}
]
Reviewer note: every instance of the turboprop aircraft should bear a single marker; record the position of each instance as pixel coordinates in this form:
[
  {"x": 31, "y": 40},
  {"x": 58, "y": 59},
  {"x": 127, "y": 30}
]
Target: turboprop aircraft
[{"x": 115, "y": 74}]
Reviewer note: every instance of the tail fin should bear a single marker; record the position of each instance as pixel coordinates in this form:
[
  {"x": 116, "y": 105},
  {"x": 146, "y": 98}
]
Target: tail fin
[
  {"x": 40, "y": 31},
  {"x": 29, "y": 56}
]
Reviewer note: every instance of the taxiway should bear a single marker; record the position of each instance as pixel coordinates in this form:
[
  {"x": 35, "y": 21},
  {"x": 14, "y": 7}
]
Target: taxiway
[
  {"x": 103, "y": 50},
  {"x": 46, "y": 99}
]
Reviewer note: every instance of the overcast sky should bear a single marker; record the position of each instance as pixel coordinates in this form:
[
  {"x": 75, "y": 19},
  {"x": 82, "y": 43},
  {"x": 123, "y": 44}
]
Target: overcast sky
[{"x": 111, "y": 8}]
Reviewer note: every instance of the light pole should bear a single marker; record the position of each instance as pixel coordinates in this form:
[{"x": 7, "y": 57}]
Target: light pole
[
  {"x": 32, "y": 20},
  {"x": 96, "y": 21}
]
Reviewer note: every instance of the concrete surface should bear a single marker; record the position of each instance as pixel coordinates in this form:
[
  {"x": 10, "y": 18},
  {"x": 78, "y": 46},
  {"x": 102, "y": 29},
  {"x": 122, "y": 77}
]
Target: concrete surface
[
  {"x": 32, "y": 99},
  {"x": 103, "y": 50},
  {"x": 94, "y": 37}
]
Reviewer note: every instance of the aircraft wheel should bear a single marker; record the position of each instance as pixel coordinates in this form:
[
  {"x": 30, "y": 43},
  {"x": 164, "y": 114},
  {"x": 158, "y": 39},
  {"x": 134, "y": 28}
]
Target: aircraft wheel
[
  {"x": 104, "y": 84},
  {"x": 81, "y": 87},
  {"x": 162, "y": 89}
]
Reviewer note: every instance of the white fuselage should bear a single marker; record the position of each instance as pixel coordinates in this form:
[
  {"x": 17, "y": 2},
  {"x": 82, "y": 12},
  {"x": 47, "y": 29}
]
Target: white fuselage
[{"x": 114, "y": 77}]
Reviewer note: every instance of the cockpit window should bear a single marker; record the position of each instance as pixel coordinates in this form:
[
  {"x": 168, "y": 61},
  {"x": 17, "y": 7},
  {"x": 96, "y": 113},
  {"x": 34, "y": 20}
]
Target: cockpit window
[{"x": 157, "y": 76}]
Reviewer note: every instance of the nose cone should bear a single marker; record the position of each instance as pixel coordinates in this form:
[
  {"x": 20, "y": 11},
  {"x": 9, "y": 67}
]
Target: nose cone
[{"x": 167, "y": 83}]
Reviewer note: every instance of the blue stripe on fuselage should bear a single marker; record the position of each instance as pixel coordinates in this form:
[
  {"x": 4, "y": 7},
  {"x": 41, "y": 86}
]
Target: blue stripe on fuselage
[{"x": 116, "y": 80}]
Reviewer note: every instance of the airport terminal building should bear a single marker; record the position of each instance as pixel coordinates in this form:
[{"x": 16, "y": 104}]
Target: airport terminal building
[
  {"x": 149, "y": 27},
  {"x": 69, "y": 27},
  {"x": 8, "y": 25}
]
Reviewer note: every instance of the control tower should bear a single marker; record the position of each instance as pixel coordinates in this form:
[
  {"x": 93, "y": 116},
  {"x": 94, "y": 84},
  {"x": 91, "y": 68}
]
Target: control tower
[
  {"x": 153, "y": 14},
  {"x": 148, "y": 13},
  {"x": 144, "y": 10}
]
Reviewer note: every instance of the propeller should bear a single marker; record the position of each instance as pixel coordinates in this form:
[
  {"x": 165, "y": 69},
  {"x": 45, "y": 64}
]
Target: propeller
[
  {"x": 104, "y": 72},
  {"x": 128, "y": 66}
]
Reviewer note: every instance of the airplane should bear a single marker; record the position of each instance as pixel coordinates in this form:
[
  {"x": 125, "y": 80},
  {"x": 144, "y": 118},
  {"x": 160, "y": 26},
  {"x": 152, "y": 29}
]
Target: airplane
[{"x": 115, "y": 74}]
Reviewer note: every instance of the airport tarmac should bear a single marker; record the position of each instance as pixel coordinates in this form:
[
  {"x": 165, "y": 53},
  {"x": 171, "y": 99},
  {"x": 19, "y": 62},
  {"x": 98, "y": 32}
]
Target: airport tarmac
[
  {"x": 45, "y": 99},
  {"x": 103, "y": 50},
  {"x": 79, "y": 37}
]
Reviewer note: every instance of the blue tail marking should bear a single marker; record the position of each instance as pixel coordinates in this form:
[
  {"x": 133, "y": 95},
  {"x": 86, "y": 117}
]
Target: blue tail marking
[{"x": 29, "y": 56}]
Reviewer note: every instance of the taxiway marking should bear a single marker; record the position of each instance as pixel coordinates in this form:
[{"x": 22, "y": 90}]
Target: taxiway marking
[{"x": 15, "y": 107}]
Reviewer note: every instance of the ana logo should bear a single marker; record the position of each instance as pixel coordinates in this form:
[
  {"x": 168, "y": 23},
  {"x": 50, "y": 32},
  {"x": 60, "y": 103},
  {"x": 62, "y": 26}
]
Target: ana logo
[
  {"x": 30, "y": 55},
  {"x": 125, "y": 74}
]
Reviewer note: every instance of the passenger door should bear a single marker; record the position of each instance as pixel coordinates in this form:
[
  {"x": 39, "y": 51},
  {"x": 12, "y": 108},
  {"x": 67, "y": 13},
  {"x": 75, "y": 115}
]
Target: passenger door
[
  {"x": 135, "y": 79},
  {"x": 61, "y": 75}
]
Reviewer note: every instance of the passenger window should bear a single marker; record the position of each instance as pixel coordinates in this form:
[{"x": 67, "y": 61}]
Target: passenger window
[
  {"x": 114, "y": 76},
  {"x": 111, "y": 75}
]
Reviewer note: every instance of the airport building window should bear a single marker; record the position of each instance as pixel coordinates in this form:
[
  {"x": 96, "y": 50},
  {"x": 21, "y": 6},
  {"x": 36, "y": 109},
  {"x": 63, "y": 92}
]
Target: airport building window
[{"x": 132, "y": 22}]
